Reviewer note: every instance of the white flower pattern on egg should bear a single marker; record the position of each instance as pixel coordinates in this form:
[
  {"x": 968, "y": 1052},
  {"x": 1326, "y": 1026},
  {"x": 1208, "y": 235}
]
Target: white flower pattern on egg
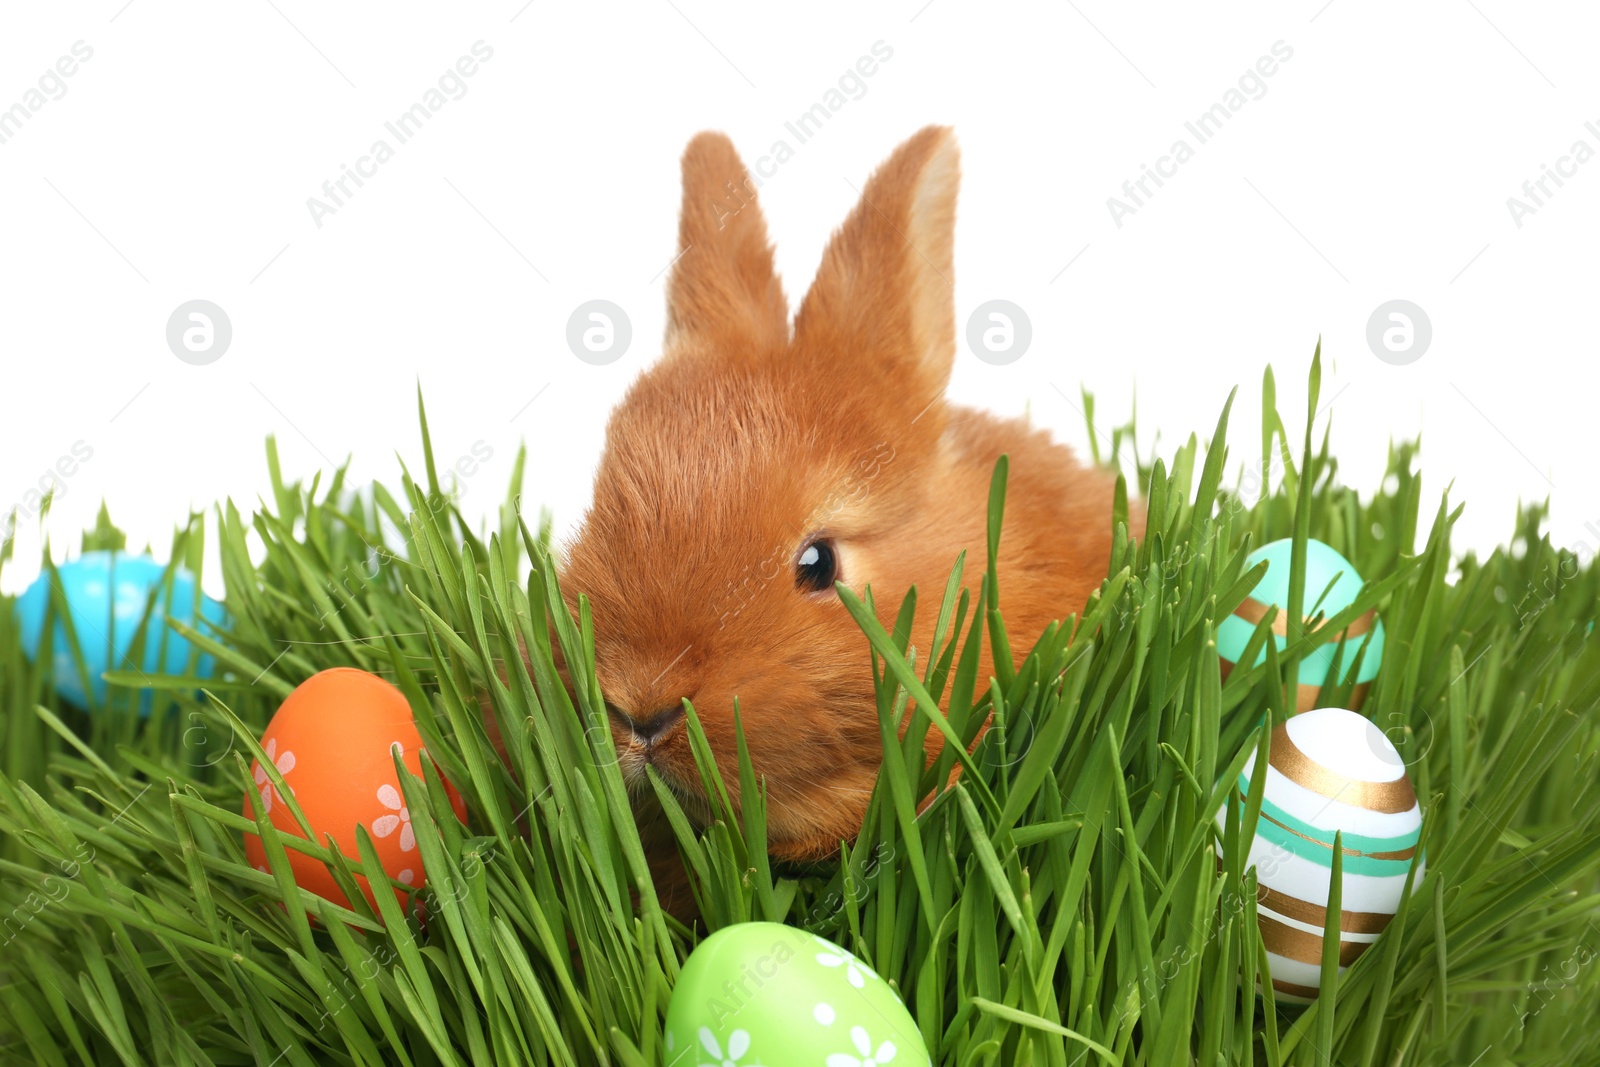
[
  {"x": 284, "y": 763},
  {"x": 384, "y": 825},
  {"x": 864, "y": 1054},
  {"x": 129, "y": 601},
  {"x": 738, "y": 1045},
  {"x": 837, "y": 957}
]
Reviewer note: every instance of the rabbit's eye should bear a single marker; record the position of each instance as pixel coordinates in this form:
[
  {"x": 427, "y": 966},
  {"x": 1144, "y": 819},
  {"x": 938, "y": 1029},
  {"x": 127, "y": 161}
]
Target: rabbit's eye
[{"x": 817, "y": 568}]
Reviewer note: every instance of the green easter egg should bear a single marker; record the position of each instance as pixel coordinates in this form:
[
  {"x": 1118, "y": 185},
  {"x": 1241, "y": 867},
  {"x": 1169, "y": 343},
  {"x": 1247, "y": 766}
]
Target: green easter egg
[
  {"x": 775, "y": 996},
  {"x": 1332, "y": 583}
]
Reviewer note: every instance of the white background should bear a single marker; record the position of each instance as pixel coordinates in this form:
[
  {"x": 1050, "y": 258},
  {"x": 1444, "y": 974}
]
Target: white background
[{"x": 1376, "y": 166}]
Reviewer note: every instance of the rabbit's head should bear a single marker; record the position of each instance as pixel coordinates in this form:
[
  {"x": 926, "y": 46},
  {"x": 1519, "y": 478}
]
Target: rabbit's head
[{"x": 756, "y": 465}]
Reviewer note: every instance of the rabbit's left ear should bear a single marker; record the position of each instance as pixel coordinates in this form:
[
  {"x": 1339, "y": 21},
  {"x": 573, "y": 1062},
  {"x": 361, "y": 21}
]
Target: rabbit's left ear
[
  {"x": 724, "y": 294},
  {"x": 883, "y": 301}
]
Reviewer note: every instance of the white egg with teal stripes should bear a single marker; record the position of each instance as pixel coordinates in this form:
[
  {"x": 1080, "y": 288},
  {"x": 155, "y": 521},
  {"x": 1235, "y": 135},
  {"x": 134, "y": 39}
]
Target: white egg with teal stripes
[
  {"x": 1332, "y": 584},
  {"x": 1329, "y": 771}
]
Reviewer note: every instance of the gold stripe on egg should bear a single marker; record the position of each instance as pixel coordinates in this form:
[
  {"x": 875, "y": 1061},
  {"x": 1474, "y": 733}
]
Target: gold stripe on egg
[
  {"x": 1253, "y": 611},
  {"x": 1402, "y": 854},
  {"x": 1308, "y": 694},
  {"x": 1308, "y": 698},
  {"x": 1391, "y": 798},
  {"x": 1295, "y": 944},
  {"x": 1350, "y": 922},
  {"x": 1295, "y": 990}
]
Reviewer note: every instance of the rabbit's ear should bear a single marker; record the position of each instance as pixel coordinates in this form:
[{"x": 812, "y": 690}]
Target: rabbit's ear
[
  {"x": 883, "y": 296},
  {"x": 723, "y": 289}
]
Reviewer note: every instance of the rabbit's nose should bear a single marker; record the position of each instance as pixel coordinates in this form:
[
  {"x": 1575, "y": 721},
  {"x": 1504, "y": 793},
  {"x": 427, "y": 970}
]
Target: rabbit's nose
[{"x": 649, "y": 729}]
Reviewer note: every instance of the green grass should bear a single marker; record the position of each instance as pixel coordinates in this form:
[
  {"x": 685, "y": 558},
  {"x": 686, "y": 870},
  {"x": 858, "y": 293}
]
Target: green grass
[{"x": 1061, "y": 904}]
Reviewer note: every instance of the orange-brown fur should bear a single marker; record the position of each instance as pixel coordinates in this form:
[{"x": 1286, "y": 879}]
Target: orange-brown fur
[{"x": 748, "y": 438}]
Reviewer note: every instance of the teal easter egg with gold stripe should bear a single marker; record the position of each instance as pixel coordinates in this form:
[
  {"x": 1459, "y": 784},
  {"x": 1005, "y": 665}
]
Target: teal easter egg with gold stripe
[
  {"x": 1329, "y": 771},
  {"x": 1332, "y": 584}
]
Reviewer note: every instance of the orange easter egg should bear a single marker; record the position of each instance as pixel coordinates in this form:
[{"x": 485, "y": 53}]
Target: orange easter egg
[{"x": 332, "y": 741}]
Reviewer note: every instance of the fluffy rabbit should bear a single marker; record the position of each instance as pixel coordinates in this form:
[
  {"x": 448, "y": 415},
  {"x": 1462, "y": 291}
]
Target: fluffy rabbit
[{"x": 756, "y": 464}]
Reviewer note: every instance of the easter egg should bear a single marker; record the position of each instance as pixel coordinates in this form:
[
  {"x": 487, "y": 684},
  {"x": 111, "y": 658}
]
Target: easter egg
[
  {"x": 333, "y": 741},
  {"x": 1322, "y": 601},
  {"x": 1329, "y": 770},
  {"x": 769, "y": 994},
  {"x": 109, "y": 596}
]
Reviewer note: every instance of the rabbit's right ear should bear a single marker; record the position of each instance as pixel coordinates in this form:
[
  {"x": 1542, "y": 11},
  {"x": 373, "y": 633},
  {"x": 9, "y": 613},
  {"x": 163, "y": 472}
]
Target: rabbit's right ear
[
  {"x": 882, "y": 310},
  {"x": 724, "y": 293}
]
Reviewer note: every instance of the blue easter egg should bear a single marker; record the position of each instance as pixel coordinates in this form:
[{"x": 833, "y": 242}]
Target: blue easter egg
[
  {"x": 107, "y": 594},
  {"x": 1332, "y": 584}
]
